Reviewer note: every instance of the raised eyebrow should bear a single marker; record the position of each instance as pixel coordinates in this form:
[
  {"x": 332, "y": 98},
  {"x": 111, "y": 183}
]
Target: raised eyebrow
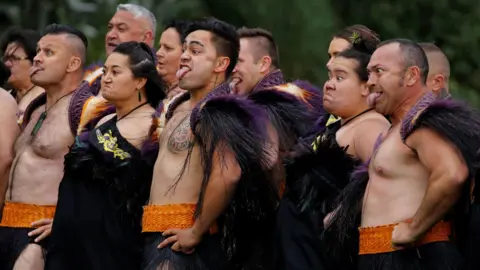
[{"x": 194, "y": 42}]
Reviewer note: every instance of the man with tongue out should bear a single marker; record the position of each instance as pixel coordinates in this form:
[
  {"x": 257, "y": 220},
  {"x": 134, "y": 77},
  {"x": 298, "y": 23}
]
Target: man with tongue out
[
  {"x": 418, "y": 172},
  {"x": 37, "y": 168},
  {"x": 208, "y": 187}
]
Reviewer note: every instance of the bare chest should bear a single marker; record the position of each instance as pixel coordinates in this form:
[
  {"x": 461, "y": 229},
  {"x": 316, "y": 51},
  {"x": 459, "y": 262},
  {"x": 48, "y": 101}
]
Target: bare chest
[
  {"x": 392, "y": 157},
  {"x": 48, "y": 135},
  {"x": 177, "y": 137}
]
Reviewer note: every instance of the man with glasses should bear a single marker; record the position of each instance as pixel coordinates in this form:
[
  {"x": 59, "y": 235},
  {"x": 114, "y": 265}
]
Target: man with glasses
[{"x": 18, "y": 47}]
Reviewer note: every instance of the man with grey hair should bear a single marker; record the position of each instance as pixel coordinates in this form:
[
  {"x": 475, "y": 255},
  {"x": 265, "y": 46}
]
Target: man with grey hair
[{"x": 131, "y": 22}]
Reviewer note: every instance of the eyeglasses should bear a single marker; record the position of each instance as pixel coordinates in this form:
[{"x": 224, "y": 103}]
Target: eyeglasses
[{"x": 13, "y": 58}]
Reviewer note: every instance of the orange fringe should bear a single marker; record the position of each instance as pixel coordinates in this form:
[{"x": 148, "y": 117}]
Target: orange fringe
[
  {"x": 92, "y": 108},
  {"x": 20, "y": 215},
  {"x": 374, "y": 240},
  {"x": 298, "y": 92},
  {"x": 154, "y": 132},
  {"x": 159, "y": 218}
]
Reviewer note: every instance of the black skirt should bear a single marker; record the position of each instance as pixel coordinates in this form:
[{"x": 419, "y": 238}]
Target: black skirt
[{"x": 208, "y": 255}]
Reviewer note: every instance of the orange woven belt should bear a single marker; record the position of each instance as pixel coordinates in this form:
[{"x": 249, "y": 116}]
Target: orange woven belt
[
  {"x": 21, "y": 215},
  {"x": 159, "y": 218},
  {"x": 374, "y": 240}
]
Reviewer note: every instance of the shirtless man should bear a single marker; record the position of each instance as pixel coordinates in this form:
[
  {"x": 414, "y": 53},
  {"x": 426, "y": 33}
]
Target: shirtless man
[
  {"x": 39, "y": 151},
  {"x": 19, "y": 48},
  {"x": 196, "y": 194},
  {"x": 258, "y": 62},
  {"x": 439, "y": 70},
  {"x": 416, "y": 175},
  {"x": 8, "y": 134}
]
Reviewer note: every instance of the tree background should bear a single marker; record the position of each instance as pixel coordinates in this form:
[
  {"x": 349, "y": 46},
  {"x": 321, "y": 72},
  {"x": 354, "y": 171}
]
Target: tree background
[{"x": 302, "y": 29}]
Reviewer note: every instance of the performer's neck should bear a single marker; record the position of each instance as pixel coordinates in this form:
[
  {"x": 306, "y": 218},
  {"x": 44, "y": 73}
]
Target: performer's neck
[
  {"x": 56, "y": 91},
  {"x": 23, "y": 89},
  {"x": 359, "y": 110},
  {"x": 199, "y": 94},
  {"x": 171, "y": 82},
  {"x": 123, "y": 108},
  {"x": 398, "y": 114}
]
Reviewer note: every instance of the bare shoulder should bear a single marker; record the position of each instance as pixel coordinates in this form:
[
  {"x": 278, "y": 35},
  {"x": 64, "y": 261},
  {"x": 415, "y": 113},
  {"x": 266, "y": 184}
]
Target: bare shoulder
[
  {"x": 7, "y": 101},
  {"x": 105, "y": 119},
  {"x": 374, "y": 122}
]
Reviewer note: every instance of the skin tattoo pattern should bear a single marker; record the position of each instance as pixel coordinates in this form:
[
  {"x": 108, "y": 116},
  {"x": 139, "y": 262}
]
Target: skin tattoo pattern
[{"x": 180, "y": 138}]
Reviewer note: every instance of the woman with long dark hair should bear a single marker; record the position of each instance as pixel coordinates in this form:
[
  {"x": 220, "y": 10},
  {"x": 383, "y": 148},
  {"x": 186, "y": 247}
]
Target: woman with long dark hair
[{"x": 108, "y": 171}]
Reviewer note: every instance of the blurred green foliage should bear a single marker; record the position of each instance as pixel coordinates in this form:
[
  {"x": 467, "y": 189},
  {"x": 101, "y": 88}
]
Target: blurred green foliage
[{"x": 302, "y": 29}]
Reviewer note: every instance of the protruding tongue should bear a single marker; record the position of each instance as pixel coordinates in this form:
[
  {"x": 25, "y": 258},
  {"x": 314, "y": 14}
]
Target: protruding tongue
[
  {"x": 372, "y": 98},
  {"x": 232, "y": 85},
  {"x": 181, "y": 72}
]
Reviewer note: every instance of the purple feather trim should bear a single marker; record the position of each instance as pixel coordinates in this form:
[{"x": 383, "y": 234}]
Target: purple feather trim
[
  {"x": 408, "y": 121},
  {"x": 75, "y": 108},
  {"x": 316, "y": 97},
  {"x": 232, "y": 104},
  {"x": 273, "y": 78},
  {"x": 221, "y": 89}
]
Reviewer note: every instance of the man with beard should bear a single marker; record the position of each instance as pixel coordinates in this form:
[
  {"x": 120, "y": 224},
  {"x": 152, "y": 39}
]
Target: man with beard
[
  {"x": 258, "y": 62},
  {"x": 38, "y": 165},
  {"x": 439, "y": 70},
  {"x": 201, "y": 182},
  {"x": 418, "y": 172}
]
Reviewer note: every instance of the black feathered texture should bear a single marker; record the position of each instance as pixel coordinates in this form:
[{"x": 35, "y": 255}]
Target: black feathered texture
[
  {"x": 341, "y": 230},
  {"x": 289, "y": 115},
  {"x": 235, "y": 124},
  {"x": 459, "y": 125},
  {"x": 452, "y": 120},
  {"x": 319, "y": 175}
]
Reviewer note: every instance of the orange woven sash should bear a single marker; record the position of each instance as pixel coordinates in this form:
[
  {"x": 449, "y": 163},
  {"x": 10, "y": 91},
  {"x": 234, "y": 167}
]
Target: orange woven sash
[
  {"x": 159, "y": 218},
  {"x": 374, "y": 240},
  {"x": 21, "y": 215}
]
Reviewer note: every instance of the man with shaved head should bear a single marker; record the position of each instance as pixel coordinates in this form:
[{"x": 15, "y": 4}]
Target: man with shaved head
[
  {"x": 417, "y": 181},
  {"x": 258, "y": 62},
  {"x": 439, "y": 69},
  {"x": 37, "y": 168}
]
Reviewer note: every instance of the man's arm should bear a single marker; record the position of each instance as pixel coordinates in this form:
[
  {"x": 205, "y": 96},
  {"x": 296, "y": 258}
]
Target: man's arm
[
  {"x": 8, "y": 134},
  {"x": 448, "y": 173},
  {"x": 223, "y": 179},
  {"x": 366, "y": 136}
]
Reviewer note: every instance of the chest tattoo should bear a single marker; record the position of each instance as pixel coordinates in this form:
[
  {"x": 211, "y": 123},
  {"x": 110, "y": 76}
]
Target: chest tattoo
[{"x": 180, "y": 139}]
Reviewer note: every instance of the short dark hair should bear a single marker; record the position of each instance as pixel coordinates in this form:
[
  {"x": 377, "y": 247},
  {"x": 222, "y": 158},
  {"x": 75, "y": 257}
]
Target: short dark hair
[
  {"x": 370, "y": 38},
  {"x": 179, "y": 25},
  {"x": 270, "y": 46},
  {"x": 25, "y": 38},
  {"x": 142, "y": 64},
  {"x": 412, "y": 54},
  {"x": 225, "y": 38},
  {"x": 60, "y": 29}
]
